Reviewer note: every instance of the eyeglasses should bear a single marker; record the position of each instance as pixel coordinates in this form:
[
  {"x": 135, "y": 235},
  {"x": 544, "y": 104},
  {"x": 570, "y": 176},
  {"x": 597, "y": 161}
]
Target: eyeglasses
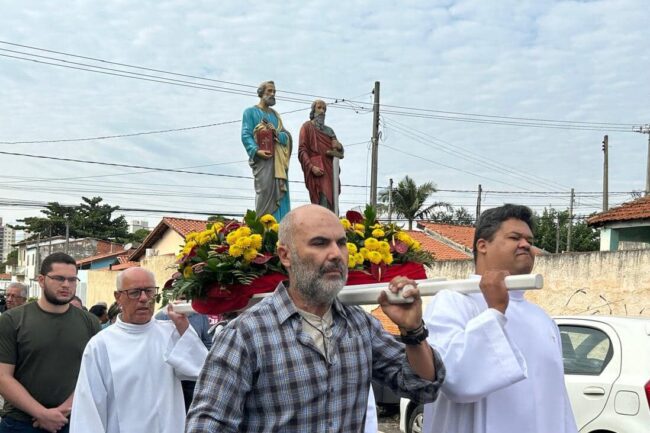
[
  {"x": 149, "y": 292},
  {"x": 60, "y": 279},
  {"x": 11, "y": 295}
]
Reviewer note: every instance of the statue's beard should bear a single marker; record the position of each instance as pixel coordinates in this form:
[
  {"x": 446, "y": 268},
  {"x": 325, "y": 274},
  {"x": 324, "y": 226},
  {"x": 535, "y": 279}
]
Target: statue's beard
[
  {"x": 269, "y": 100},
  {"x": 320, "y": 119}
]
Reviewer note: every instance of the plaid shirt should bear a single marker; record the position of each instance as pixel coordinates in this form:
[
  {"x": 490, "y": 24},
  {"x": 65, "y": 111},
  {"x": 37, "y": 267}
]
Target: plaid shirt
[{"x": 264, "y": 374}]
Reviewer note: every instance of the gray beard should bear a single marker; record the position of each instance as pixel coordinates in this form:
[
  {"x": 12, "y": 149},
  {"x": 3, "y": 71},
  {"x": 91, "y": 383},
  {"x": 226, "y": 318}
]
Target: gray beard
[
  {"x": 269, "y": 100},
  {"x": 312, "y": 287},
  {"x": 319, "y": 121}
]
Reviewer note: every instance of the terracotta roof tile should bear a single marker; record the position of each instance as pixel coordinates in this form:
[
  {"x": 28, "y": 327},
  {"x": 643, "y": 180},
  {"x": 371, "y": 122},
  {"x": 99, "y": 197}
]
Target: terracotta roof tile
[
  {"x": 5, "y": 276},
  {"x": 90, "y": 259},
  {"x": 126, "y": 265},
  {"x": 463, "y": 235},
  {"x": 185, "y": 226},
  {"x": 387, "y": 324},
  {"x": 638, "y": 209},
  {"x": 440, "y": 250}
]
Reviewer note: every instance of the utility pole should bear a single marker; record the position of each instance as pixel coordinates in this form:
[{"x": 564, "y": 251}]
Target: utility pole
[
  {"x": 478, "y": 204},
  {"x": 568, "y": 237},
  {"x": 557, "y": 234},
  {"x": 390, "y": 200},
  {"x": 645, "y": 129},
  {"x": 605, "y": 174},
  {"x": 375, "y": 146}
]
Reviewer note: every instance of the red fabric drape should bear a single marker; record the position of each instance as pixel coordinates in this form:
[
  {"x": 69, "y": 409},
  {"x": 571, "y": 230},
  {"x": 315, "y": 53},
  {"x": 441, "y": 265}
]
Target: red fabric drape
[{"x": 237, "y": 296}]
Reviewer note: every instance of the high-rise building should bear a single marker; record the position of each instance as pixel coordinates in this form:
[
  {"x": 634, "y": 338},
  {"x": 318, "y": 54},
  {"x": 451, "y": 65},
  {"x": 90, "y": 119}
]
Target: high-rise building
[
  {"x": 7, "y": 239},
  {"x": 139, "y": 224}
]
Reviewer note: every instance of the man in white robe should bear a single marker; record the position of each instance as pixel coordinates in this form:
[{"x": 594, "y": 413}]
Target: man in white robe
[
  {"x": 503, "y": 354},
  {"x": 130, "y": 378}
]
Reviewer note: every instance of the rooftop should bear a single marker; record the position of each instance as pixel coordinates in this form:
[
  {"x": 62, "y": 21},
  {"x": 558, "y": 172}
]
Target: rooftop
[{"x": 635, "y": 210}]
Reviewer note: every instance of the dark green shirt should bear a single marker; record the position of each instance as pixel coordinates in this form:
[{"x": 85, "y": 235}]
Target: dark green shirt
[{"x": 46, "y": 350}]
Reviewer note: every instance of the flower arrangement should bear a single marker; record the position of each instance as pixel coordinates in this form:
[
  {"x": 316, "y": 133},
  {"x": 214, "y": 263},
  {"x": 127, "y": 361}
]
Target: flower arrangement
[
  {"x": 226, "y": 253},
  {"x": 373, "y": 246},
  {"x": 230, "y": 254}
]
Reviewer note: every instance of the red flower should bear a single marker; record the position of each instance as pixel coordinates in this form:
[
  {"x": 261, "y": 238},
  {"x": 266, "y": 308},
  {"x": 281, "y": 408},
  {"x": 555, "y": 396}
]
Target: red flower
[{"x": 354, "y": 217}]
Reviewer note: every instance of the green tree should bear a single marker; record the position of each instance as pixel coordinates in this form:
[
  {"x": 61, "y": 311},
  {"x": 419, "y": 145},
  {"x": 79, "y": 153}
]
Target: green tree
[
  {"x": 583, "y": 237},
  {"x": 12, "y": 260},
  {"x": 458, "y": 216},
  {"x": 91, "y": 218},
  {"x": 408, "y": 200},
  {"x": 139, "y": 235}
]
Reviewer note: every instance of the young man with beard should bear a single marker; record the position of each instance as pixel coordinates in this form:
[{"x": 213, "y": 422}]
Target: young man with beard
[
  {"x": 268, "y": 145},
  {"x": 302, "y": 361},
  {"x": 503, "y": 354},
  {"x": 317, "y": 148},
  {"x": 40, "y": 352}
]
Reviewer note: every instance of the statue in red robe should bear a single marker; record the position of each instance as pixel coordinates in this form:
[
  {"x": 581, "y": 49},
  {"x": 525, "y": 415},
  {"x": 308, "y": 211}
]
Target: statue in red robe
[{"x": 317, "y": 148}]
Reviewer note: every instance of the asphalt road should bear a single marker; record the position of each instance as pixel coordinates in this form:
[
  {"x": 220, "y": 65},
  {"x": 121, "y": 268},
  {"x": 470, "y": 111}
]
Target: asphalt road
[{"x": 389, "y": 423}]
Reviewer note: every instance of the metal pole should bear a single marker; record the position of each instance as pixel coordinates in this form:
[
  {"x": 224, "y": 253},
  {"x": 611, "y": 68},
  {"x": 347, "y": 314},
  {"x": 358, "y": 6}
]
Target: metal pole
[
  {"x": 605, "y": 174},
  {"x": 645, "y": 129},
  {"x": 375, "y": 145},
  {"x": 478, "y": 204},
  {"x": 568, "y": 238},
  {"x": 390, "y": 200}
]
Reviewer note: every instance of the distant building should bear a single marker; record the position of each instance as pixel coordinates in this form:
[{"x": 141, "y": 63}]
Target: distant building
[
  {"x": 7, "y": 239},
  {"x": 139, "y": 224}
]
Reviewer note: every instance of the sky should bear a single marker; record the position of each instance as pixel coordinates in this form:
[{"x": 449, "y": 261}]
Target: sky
[{"x": 513, "y": 95}]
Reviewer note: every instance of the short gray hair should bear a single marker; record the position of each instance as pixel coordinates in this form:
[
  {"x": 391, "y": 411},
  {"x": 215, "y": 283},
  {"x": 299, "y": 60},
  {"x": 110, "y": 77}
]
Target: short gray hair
[
  {"x": 120, "y": 277},
  {"x": 262, "y": 87},
  {"x": 22, "y": 287}
]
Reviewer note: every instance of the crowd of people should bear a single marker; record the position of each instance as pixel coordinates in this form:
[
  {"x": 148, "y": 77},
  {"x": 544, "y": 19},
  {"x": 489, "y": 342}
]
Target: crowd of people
[{"x": 298, "y": 361}]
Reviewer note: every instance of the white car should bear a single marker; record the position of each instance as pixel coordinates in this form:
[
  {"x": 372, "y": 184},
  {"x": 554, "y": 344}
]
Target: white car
[{"x": 606, "y": 371}]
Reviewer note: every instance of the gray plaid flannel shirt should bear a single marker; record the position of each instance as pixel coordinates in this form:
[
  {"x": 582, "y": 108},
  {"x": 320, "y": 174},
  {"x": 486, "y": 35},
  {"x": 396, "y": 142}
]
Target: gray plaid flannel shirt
[{"x": 264, "y": 374}]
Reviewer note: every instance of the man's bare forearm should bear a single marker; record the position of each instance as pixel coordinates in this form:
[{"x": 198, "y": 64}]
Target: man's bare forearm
[
  {"x": 16, "y": 394},
  {"x": 420, "y": 358}
]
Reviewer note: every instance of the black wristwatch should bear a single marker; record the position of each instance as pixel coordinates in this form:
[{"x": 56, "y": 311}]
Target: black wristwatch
[{"x": 415, "y": 336}]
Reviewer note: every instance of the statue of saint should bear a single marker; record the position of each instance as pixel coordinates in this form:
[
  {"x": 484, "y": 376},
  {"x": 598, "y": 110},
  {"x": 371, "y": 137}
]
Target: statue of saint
[
  {"x": 317, "y": 149},
  {"x": 268, "y": 146}
]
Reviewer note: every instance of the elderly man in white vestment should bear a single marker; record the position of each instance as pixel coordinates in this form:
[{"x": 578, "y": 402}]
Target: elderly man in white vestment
[
  {"x": 130, "y": 378},
  {"x": 503, "y": 354}
]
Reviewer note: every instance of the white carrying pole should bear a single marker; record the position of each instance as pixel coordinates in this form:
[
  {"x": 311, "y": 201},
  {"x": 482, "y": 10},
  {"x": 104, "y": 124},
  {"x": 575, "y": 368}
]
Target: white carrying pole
[{"x": 367, "y": 294}]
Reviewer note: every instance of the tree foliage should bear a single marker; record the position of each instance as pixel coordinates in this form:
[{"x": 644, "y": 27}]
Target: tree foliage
[
  {"x": 457, "y": 216},
  {"x": 408, "y": 200},
  {"x": 91, "y": 218},
  {"x": 583, "y": 237}
]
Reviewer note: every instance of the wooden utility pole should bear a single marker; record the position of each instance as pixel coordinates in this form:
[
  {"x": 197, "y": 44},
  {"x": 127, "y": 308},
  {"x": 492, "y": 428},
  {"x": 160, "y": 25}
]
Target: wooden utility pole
[
  {"x": 478, "y": 204},
  {"x": 390, "y": 200},
  {"x": 605, "y": 174},
  {"x": 568, "y": 237},
  {"x": 375, "y": 147},
  {"x": 557, "y": 234},
  {"x": 645, "y": 129}
]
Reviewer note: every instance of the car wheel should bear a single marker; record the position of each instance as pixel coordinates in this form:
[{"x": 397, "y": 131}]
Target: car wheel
[{"x": 416, "y": 420}]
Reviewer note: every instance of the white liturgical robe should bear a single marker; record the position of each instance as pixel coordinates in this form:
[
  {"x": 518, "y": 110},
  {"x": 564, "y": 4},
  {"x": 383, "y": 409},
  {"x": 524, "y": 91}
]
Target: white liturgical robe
[
  {"x": 504, "y": 372},
  {"x": 130, "y": 376}
]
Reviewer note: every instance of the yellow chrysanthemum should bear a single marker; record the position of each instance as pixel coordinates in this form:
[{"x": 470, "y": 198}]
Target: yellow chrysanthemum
[
  {"x": 403, "y": 237},
  {"x": 352, "y": 262},
  {"x": 191, "y": 236},
  {"x": 377, "y": 226},
  {"x": 232, "y": 237},
  {"x": 268, "y": 220},
  {"x": 256, "y": 241},
  {"x": 371, "y": 243},
  {"x": 244, "y": 231},
  {"x": 384, "y": 247},
  {"x": 250, "y": 254},
  {"x": 345, "y": 223},
  {"x": 187, "y": 272},
  {"x": 352, "y": 248},
  {"x": 235, "y": 250},
  {"x": 358, "y": 257},
  {"x": 387, "y": 258},
  {"x": 364, "y": 252},
  {"x": 416, "y": 246},
  {"x": 374, "y": 257},
  {"x": 244, "y": 242},
  {"x": 275, "y": 227},
  {"x": 378, "y": 233},
  {"x": 359, "y": 227},
  {"x": 217, "y": 227}
]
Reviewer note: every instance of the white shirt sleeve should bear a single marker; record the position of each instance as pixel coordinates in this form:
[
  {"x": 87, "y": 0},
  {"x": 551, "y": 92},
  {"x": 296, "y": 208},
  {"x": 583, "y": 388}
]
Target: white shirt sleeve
[
  {"x": 474, "y": 346},
  {"x": 186, "y": 354}
]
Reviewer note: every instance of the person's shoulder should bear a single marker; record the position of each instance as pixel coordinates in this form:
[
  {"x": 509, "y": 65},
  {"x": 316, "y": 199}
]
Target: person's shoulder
[{"x": 88, "y": 318}]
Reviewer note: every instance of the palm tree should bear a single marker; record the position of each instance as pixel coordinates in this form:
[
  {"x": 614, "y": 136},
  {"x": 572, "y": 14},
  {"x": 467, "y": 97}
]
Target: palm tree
[{"x": 408, "y": 200}]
